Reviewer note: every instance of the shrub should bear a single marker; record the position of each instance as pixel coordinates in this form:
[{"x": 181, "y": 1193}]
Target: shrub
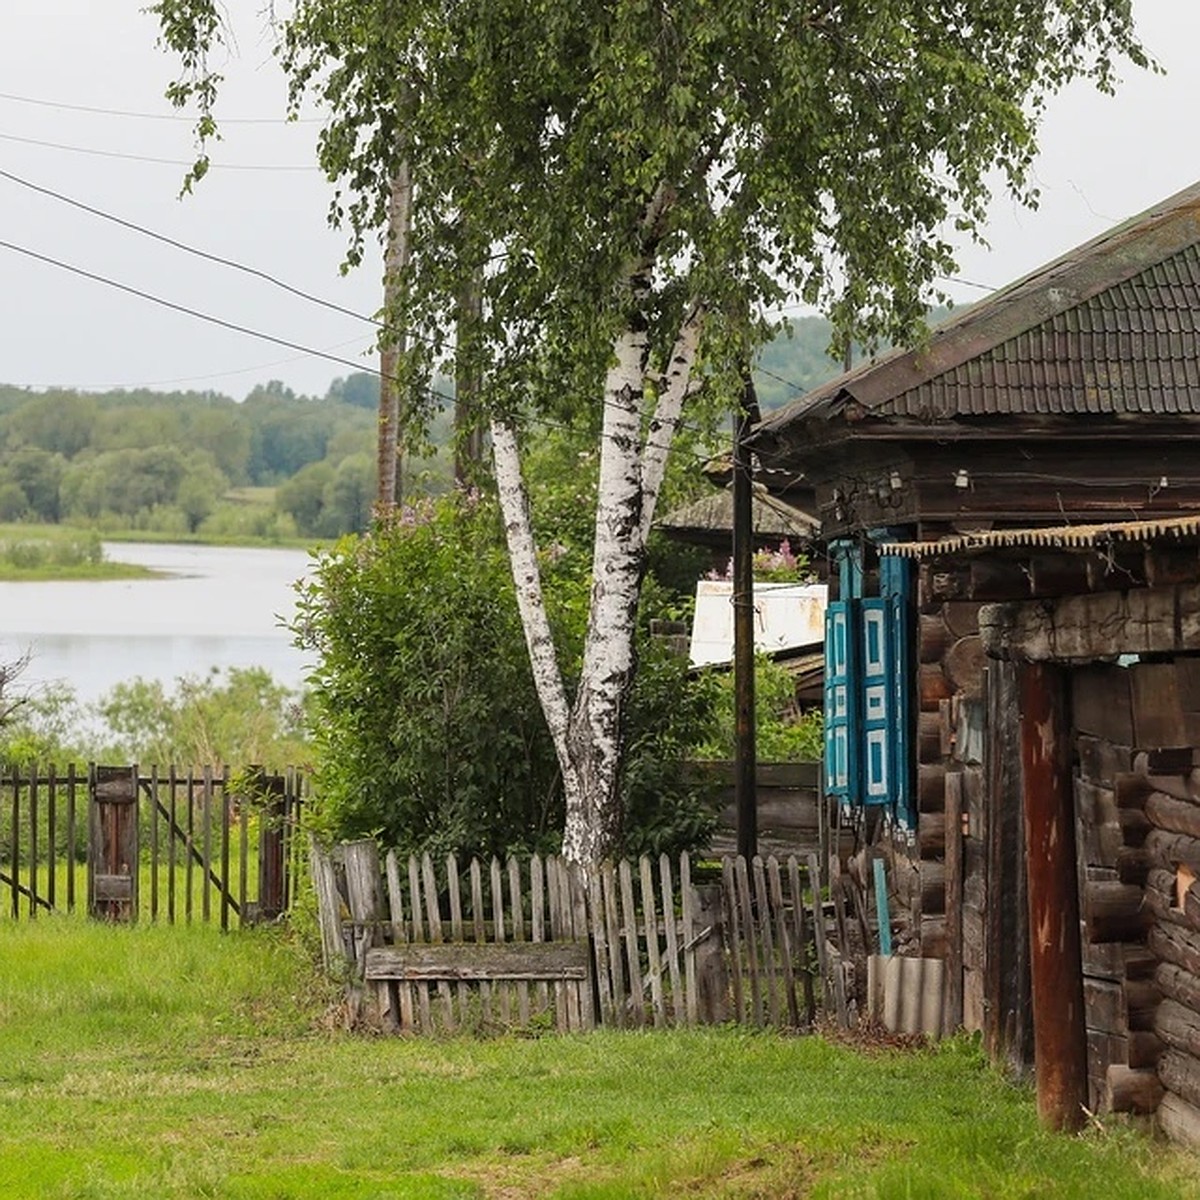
[{"x": 427, "y": 726}]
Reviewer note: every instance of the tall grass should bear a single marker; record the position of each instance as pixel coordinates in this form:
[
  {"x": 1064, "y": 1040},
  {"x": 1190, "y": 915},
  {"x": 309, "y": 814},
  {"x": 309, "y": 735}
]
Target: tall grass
[{"x": 177, "y": 1063}]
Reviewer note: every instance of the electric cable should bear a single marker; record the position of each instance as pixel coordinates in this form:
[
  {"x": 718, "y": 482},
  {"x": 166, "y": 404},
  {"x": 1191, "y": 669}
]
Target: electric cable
[
  {"x": 147, "y": 158},
  {"x": 235, "y": 327},
  {"x": 145, "y": 116}
]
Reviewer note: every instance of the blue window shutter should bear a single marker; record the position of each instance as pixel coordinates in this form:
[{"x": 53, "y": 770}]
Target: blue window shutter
[
  {"x": 895, "y": 580},
  {"x": 877, "y": 701},
  {"x": 839, "y": 700}
]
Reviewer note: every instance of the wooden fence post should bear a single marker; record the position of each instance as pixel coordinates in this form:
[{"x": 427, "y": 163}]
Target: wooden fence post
[
  {"x": 113, "y": 849},
  {"x": 329, "y": 908},
  {"x": 270, "y": 793}
]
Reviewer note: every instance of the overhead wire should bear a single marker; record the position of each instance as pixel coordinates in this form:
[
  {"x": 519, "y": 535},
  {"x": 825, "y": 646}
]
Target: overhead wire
[
  {"x": 134, "y": 227},
  {"x": 41, "y": 102},
  {"x": 274, "y": 339},
  {"x": 149, "y": 158}
]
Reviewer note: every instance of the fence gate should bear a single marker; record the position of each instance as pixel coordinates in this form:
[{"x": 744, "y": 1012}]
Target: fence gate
[
  {"x": 113, "y": 844},
  {"x": 164, "y": 844}
]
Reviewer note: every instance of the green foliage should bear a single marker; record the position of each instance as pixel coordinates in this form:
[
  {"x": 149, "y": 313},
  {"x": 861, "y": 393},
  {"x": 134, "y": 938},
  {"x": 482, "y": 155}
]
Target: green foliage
[
  {"x": 425, "y": 718},
  {"x": 425, "y": 721},
  {"x": 240, "y": 717},
  {"x": 782, "y": 733}
]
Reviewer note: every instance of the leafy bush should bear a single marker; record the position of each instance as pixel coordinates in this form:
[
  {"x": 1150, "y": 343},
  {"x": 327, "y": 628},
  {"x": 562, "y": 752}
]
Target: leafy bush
[
  {"x": 427, "y": 725},
  {"x": 782, "y": 734}
]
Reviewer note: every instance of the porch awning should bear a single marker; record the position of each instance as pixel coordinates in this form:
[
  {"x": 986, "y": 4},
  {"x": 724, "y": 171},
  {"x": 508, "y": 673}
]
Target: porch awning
[{"x": 1058, "y": 537}]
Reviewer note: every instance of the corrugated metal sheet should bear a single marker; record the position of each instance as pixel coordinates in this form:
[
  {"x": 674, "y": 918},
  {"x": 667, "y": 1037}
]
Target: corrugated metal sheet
[
  {"x": 1113, "y": 327},
  {"x": 1061, "y": 537}
]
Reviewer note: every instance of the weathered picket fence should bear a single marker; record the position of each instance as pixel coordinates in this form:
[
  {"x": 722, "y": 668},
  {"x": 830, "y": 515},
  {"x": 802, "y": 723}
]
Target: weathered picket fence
[
  {"x": 439, "y": 946},
  {"x": 165, "y": 844}
]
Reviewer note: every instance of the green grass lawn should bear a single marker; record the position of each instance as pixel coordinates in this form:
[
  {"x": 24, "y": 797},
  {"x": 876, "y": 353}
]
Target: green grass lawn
[{"x": 155, "y": 1062}]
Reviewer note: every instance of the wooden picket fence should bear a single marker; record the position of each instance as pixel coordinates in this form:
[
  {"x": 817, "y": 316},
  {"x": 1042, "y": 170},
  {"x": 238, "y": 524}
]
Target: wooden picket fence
[
  {"x": 436, "y": 947},
  {"x": 166, "y": 844}
]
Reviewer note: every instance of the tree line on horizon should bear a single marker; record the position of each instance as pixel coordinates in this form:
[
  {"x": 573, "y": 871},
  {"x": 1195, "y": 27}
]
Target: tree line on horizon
[{"x": 173, "y": 461}]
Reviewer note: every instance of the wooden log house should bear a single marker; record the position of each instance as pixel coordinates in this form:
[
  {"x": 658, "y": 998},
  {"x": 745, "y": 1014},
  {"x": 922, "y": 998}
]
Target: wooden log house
[{"x": 1012, "y": 520}]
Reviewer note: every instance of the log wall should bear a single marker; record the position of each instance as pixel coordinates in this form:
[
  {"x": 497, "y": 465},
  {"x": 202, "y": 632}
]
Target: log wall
[{"x": 1170, "y": 803}]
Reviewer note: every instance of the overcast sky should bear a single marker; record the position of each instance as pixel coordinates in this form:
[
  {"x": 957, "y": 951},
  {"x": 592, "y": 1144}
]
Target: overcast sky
[{"x": 1103, "y": 159}]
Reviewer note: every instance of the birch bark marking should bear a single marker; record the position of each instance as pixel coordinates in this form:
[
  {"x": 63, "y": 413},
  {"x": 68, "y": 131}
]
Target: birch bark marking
[{"x": 593, "y": 816}]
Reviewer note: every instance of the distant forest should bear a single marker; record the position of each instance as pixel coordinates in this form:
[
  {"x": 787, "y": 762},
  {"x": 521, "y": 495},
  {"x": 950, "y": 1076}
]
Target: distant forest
[{"x": 276, "y": 465}]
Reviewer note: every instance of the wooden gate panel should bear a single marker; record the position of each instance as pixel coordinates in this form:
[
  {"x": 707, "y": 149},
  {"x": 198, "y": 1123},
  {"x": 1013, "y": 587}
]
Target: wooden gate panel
[{"x": 113, "y": 849}]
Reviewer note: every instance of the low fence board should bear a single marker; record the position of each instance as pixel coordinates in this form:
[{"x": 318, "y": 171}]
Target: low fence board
[
  {"x": 443, "y": 946},
  {"x": 531, "y": 962}
]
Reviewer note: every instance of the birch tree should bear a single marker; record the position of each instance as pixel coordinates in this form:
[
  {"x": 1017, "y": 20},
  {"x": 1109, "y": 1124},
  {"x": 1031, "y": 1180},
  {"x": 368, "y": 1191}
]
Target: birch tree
[{"x": 641, "y": 180}]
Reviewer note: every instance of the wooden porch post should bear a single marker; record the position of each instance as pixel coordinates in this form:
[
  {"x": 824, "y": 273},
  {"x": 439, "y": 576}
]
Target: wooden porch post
[{"x": 1059, "y": 1035}]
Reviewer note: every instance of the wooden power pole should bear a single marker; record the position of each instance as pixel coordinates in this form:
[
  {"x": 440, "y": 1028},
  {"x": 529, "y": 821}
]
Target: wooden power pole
[{"x": 394, "y": 343}]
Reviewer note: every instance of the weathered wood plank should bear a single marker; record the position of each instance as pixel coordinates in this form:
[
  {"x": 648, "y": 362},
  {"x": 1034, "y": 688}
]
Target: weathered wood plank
[
  {"x": 688, "y": 914},
  {"x": 616, "y": 962},
  {"x": 801, "y": 944},
  {"x": 650, "y": 919},
  {"x": 478, "y": 929},
  {"x": 749, "y": 932},
  {"x": 629, "y": 934},
  {"x": 784, "y": 941},
  {"x": 518, "y": 931},
  {"x": 766, "y": 939},
  {"x": 499, "y": 933},
  {"x": 678, "y": 1004},
  {"x": 489, "y": 961},
  {"x": 733, "y": 923}
]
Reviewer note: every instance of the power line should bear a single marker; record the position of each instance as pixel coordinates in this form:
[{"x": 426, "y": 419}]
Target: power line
[
  {"x": 147, "y": 158},
  {"x": 145, "y": 116},
  {"x": 205, "y": 254}
]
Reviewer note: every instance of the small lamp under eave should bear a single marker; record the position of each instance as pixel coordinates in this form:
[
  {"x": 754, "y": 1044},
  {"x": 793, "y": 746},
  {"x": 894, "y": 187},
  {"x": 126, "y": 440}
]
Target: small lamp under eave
[{"x": 962, "y": 480}]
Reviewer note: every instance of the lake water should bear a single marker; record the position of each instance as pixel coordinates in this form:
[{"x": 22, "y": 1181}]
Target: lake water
[{"x": 214, "y": 606}]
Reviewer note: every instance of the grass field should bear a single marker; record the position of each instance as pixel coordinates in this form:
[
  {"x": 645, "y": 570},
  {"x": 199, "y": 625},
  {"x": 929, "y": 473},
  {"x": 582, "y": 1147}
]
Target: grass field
[{"x": 155, "y": 1062}]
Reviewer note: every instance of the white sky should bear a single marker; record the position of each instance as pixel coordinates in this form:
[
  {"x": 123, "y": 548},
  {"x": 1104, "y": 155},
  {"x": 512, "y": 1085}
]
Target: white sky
[{"x": 1103, "y": 159}]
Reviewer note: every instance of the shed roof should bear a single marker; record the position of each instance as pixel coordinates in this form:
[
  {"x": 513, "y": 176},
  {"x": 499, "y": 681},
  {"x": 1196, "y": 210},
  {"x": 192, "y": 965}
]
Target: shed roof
[{"x": 1111, "y": 328}]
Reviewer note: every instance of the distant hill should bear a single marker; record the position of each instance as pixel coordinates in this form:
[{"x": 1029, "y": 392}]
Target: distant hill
[{"x": 798, "y": 360}]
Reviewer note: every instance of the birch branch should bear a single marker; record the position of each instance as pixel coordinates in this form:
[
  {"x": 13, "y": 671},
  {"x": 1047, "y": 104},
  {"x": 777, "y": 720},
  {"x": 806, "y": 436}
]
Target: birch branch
[
  {"x": 667, "y": 415},
  {"x": 527, "y": 578}
]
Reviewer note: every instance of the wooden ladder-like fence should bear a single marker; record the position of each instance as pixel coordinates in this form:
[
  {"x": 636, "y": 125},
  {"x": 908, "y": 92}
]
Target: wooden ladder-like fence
[
  {"x": 167, "y": 845},
  {"x": 439, "y": 946}
]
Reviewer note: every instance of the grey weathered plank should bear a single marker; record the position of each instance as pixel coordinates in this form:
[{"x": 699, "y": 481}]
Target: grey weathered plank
[
  {"x": 587, "y": 1015},
  {"x": 734, "y": 925},
  {"x": 689, "y": 937},
  {"x": 403, "y": 993},
  {"x": 600, "y": 950},
  {"x": 627, "y": 920},
  {"x": 456, "y": 929},
  {"x": 797, "y": 891},
  {"x": 678, "y": 1007},
  {"x": 766, "y": 939},
  {"x": 612, "y": 930},
  {"x": 424, "y": 1013},
  {"x": 783, "y": 940},
  {"x": 475, "y": 962},
  {"x": 499, "y": 934},
  {"x": 517, "y": 906},
  {"x": 742, "y": 877},
  {"x": 479, "y": 928},
  {"x": 818, "y": 911},
  {"x": 653, "y": 956},
  {"x": 537, "y": 918}
]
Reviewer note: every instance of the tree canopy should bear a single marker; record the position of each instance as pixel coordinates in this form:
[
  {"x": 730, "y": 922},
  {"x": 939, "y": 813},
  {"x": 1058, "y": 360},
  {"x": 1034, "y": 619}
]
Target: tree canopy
[{"x": 637, "y": 181}]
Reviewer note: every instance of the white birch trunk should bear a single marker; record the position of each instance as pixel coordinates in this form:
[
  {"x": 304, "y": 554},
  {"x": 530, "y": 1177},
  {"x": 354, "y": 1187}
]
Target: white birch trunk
[
  {"x": 587, "y": 735},
  {"x": 593, "y": 819},
  {"x": 527, "y": 578}
]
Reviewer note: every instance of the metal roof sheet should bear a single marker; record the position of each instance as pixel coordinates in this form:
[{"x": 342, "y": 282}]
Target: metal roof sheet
[
  {"x": 1060, "y": 537},
  {"x": 1111, "y": 328}
]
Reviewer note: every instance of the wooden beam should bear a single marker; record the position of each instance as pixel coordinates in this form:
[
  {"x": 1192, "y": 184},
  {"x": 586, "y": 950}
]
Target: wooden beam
[{"x": 1060, "y": 1039}]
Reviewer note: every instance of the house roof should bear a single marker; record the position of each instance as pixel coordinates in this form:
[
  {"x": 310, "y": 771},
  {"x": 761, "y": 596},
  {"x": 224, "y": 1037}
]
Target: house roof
[
  {"x": 714, "y": 515},
  {"x": 1111, "y": 328}
]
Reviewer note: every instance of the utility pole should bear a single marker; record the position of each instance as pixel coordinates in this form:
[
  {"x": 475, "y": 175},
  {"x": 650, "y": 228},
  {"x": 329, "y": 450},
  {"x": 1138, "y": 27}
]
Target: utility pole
[
  {"x": 394, "y": 342},
  {"x": 468, "y": 433},
  {"x": 745, "y": 751}
]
